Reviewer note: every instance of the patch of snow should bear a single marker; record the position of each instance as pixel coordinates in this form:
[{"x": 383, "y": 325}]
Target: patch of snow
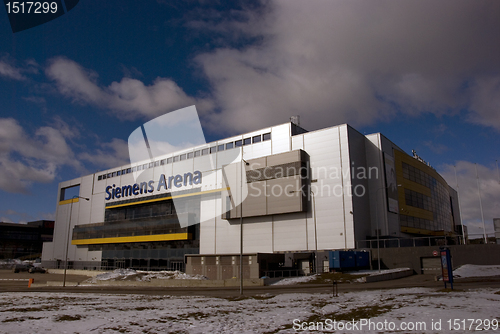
[
  {"x": 115, "y": 274},
  {"x": 104, "y": 313},
  {"x": 376, "y": 272},
  {"x": 139, "y": 275},
  {"x": 472, "y": 270},
  {"x": 295, "y": 280}
]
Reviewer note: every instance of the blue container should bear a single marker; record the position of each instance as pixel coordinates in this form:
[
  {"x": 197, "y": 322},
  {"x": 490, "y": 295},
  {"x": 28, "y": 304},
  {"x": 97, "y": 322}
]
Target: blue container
[
  {"x": 342, "y": 259},
  {"x": 362, "y": 259}
]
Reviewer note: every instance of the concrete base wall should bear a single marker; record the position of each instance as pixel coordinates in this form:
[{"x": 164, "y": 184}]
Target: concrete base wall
[
  {"x": 411, "y": 257},
  {"x": 387, "y": 276},
  {"x": 90, "y": 273},
  {"x": 186, "y": 283}
]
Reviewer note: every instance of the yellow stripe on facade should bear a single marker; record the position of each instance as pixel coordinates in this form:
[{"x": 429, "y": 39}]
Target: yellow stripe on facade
[
  {"x": 167, "y": 198},
  {"x": 139, "y": 238},
  {"x": 414, "y": 230},
  {"x": 68, "y": 201}
]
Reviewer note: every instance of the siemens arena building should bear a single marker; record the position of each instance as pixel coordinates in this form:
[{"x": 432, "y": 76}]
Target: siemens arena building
[{"x": 282, "y": 196}]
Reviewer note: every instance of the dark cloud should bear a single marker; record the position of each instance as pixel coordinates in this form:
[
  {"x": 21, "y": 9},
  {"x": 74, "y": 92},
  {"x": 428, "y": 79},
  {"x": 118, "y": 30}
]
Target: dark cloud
[{"x": 357, "y": 62}]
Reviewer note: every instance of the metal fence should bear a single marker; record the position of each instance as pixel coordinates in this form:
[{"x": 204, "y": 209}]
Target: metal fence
[{"x": 409, "y": 242}]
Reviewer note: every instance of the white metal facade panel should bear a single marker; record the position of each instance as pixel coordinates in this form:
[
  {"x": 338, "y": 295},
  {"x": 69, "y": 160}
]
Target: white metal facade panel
[
  {"x": 289, "y": 232},
  {"x": 98, "y": 207},
  {"x": 208, "y": 216},
  {"x": 257, "y": 150},
  {"x": 204, "y": 163},
  {"x": 325, "y": 156},
  {"x": 280, "y": 137},
  {"x": 257, "y": 235},
  {"x": 227, "y": 237}
]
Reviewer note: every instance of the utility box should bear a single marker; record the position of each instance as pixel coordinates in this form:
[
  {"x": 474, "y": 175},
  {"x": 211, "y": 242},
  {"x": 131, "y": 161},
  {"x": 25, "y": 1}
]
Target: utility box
[
  {"x": 342, "y": 259},
  {"x": 362, "y": 259}
]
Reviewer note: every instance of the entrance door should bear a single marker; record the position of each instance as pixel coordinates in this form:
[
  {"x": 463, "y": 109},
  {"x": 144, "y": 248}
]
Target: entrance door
[
  {"x": 305, "y": 267},
  {"x": 431, "y": 265}
]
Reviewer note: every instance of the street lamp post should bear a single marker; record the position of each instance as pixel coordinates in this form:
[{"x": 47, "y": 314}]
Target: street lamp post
[{"x": 67, "y": 239}]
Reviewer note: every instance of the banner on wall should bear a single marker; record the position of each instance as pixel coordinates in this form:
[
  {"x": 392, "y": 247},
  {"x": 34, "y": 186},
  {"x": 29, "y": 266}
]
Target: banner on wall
[{"x": 391, "y": 183}]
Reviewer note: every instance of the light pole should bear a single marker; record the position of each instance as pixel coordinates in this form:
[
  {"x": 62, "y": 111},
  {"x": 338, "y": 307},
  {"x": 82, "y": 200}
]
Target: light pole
[
  {"x": 315, "y": 230},
  {"x": 241, "y": 219},
  {"x": 67, "y": 239},
  {"x": 481, "y": 206}
]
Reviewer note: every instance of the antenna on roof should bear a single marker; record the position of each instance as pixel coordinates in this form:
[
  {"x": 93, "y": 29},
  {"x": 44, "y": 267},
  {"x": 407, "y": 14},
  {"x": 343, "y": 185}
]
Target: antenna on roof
[{"x": 295, "y": 120}]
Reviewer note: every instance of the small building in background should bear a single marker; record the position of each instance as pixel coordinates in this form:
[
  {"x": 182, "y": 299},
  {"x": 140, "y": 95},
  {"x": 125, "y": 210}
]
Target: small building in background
[{"x": 24, "y": 241}]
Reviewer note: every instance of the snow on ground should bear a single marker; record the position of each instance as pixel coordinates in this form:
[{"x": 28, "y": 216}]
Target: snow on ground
[
  {"x": 104, "y": 313},
  {"x": 133, "y": 275},
  {"x": 295, "y": 280},
  {"x": 472, "y": 270},
  {"x": 305, "y": 279},
  {"x": 376, "y": 272}
]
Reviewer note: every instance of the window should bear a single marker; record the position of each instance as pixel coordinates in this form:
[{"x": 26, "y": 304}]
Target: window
[
  {"x": 176, "y": 158},
  {"x": 109, "y": 175},
  {"x": 238, "y": 143},
  {"x": 204, "y": 151},
  {"x": 256, "y": 139},
  {"x": 124, "y": 171},
  {"x": 104, "y": 177},
  {"x": 163, "y": 161},
  {"x": 229, "y": 146},
  {"x": 151, "y": 164},
  {"x": 114, "y": 174},
  {"x": 134, "y": 169},
  {"x": 169, "y": 160},
  {"x": 145, "y": 166},
  {"x": 197, "y": 153},
  {"x": 247, "y": 141},
  {"x": 190, "y": 155},
  {"x": 139, "y": 168},
  {"x": 213, "y": 149},
  {"x": 157, "y": 163},
  {"x": 220, "y": 148},
  {"x": 99, "y": 178},
  {"x": 119, "y": 173},
  {"x": 129, "y": 170},
  {"x": 266, "y": 136},
  {"x": 69, "y": 192},
  {"x": 182, "y": 157}
]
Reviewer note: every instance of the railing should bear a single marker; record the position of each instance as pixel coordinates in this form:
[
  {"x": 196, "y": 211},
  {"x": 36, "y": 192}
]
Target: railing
[
  {"x": 409, "y": 242},
  {"x": 471, "y": 239}
]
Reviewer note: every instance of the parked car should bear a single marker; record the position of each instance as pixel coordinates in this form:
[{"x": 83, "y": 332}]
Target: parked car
[
  {"x": 21, "y": 267},
  {"x": 33, "y": 270}
]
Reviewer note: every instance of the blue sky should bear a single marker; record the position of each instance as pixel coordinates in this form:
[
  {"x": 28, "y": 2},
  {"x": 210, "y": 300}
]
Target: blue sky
[{"x": 426, "y": 74}]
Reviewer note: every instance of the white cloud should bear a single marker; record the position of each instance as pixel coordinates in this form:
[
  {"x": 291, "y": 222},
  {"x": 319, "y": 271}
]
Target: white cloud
[
  {"x": 468, "y": 192},
  {"x": 112, "y": 154},
  {"x": 128, "y": 99},
  {"x": 354, "y": 61},
  {"x": 11, "y": 72},
  {"x": 25, "y": 159}
]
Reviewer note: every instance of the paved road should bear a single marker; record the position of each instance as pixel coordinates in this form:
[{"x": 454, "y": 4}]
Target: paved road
[{"x": 10, "y": 282}]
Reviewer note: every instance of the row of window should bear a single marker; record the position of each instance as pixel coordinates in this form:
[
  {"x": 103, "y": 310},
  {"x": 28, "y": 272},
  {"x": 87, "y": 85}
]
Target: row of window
[
  {"x": 438, "y": 203},
  {"x": 189, "y": 155}
]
